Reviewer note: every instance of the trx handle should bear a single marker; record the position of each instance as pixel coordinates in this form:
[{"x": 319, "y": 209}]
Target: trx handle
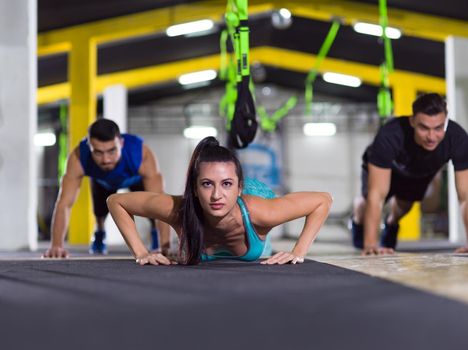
[
  {"x": 323, "y": 52},
  {"x": 384, "y": 97},
  {"x": 236, "y": 18},
  {"x": 242, "y": 36},
  {"x": 244, "y": 49},
  {"x": 244, "y": 124}
]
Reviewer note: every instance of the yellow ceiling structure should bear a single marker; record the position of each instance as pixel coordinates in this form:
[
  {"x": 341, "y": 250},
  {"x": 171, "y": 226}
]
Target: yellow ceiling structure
[{"x": 155, "y": 21}]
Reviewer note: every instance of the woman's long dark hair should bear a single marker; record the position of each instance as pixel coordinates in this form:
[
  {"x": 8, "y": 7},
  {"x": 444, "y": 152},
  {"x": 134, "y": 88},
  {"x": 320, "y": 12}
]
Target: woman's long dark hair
[{"x": 191, "y": 212}]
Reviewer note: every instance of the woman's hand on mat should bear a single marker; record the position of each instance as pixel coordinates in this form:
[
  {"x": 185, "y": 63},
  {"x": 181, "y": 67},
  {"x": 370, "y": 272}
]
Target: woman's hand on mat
[
  {"x": 281, "y": 258},
  {"x": 154, "y": 258},
  {"x": 168, "y": 253},
  {"x": 462, "y": 249},
  {"x": 55, "y": 252},
  {"x": 377, "y": 251}
]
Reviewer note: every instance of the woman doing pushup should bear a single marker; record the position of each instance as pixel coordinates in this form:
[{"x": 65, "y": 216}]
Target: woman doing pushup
[{"x": 214, "y": 219}]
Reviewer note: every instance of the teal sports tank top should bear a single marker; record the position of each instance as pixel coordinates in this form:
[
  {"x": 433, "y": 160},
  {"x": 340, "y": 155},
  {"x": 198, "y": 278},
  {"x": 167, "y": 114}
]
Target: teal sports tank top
[{"x": 254, "y": 243}]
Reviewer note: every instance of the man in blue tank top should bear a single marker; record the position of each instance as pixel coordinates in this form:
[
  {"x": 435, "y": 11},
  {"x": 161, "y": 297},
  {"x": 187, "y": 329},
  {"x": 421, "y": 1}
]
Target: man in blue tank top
[{"x": 112, "y": 161}]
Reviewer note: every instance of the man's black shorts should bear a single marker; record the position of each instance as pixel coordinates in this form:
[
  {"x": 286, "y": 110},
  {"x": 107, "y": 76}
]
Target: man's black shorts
[
  {"x": 404, "y": 188},
  {"x": 100, "y": 195}
]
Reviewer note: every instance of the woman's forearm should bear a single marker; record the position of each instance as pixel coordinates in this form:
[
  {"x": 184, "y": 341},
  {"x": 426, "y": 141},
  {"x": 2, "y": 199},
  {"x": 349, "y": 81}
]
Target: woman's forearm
[
  {"x": 126, "y": 225},
  {"x": 312, "y": 225}
]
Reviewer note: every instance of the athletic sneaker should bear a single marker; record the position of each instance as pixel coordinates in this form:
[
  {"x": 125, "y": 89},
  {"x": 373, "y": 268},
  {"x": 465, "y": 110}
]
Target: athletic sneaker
[
  {"x": 98, "y": 246},
  {"x": 154, "y": 239},
  {"x": 389, "y": 236},
  {"x": 357, "y": 232}
]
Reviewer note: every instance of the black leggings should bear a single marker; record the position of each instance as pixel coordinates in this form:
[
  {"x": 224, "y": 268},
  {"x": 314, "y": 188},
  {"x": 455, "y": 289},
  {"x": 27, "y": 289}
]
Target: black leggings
[{"x": 407, "y": 189}]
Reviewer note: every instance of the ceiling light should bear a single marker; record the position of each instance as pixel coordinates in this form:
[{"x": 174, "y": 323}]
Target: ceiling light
[
  {"x": 197, "y": 77},
  {"x": 190, "y": 27},
  {"x": 285, "y": 13},
  {"x": 44, "y": 139},
  {"x": 281, "y": 19},
  {"x": 319, "y": 129},
  {"x": 342, "y": 79},
  {"x": 199, "y": 132},
  {"x": 376, "y": 30}
]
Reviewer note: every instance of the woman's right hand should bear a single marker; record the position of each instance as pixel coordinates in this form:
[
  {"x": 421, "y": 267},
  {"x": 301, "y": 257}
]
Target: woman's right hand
[{"x": 154, "y": 258}]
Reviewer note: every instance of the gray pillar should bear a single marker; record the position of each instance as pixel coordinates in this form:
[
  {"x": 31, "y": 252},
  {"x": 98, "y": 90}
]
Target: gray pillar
[
  {"x": 18, "y": 118},
  {"x": 115, "y": 108},
  {"x": 456, "y": 52}
]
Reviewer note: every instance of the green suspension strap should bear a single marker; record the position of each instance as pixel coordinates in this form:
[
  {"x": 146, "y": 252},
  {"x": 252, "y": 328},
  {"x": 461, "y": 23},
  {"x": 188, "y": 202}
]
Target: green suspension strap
[
  {"x": 269, "y": 123},
  {"x": 244, "y": 123},
  {"x": 384, "y": 97},
  {"x": 228, "y": 74},
  {"x": 242, "y": 32},
  {"x": 227, "y": 107},
  {"x": 62, "y": 141},
  {"x": 312, "y": 75}
]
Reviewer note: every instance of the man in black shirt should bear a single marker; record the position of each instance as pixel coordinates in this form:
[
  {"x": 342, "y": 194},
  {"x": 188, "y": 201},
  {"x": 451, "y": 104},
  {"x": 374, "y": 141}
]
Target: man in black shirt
[{"x": 399, "y": 165}]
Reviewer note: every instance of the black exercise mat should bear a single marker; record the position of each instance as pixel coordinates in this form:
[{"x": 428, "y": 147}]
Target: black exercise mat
[{"x": 115, "y": 304}]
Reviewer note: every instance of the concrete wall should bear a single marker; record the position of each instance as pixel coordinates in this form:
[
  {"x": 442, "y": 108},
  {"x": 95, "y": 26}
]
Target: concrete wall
[
  {"x": 18, "y": 119},
  {"x": 306, "y": 163},
  {"x": 456, "y": 52}
]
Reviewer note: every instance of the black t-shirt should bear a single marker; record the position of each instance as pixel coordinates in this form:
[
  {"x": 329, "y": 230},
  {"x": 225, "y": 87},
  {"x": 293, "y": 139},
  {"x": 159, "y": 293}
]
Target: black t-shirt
[{"x": 394, "y": 147}]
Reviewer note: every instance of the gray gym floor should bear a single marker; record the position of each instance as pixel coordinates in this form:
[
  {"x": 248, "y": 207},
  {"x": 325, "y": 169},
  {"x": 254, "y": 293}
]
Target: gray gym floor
[{"x": 337, "y": 299}]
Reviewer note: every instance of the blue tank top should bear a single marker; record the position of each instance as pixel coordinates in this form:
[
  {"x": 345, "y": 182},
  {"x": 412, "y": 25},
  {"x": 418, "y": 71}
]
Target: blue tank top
[
  {"x": 254, "y": 243},
  {"x": 125, "y": 174}
]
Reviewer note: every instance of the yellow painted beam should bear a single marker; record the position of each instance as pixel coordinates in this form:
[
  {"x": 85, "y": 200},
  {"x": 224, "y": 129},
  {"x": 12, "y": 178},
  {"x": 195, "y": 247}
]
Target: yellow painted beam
[
  {"x": 404, "y": 94},
  {"x": 281, "y": 58},
  {"x": 157, "y": 74},
  {"x": 44, "y": 49},
  {"x": 139, "y": 24},
  {"x": 411, "y": 23},
  {"x": 134, "y": 78},
  {"x": 156, "y": 21},
  {"x": 53, "y": 93},
  {"x": 303, "y": 62},
  {"x": 82, "y": 72}
]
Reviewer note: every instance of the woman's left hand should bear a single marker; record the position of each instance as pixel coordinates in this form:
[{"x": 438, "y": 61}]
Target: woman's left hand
[
  {"x": 154, "y": 258},
  {"x": 283, "y": 258}
]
